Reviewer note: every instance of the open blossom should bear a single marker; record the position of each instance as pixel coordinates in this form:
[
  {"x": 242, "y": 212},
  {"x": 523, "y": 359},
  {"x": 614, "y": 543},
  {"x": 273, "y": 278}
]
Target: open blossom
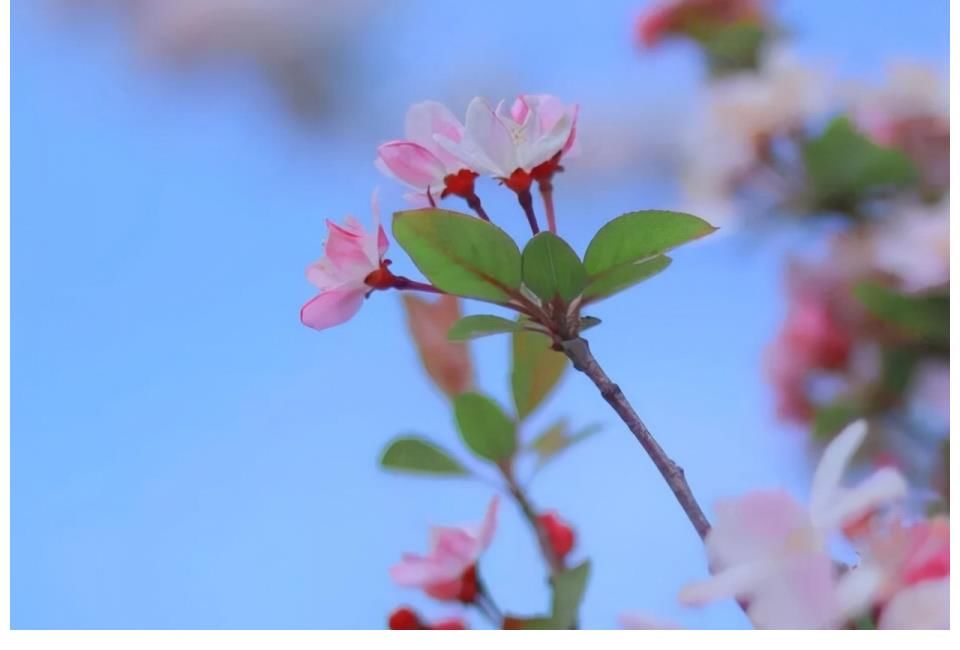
[
  {"x": 519, "y": 143},
  {"x": 771, "y": 552},
  {"x": 448, "y": 572},
  {"x": 420, "y": 162},
  {"x": 906, "y": 555},
  {"x": 676, "y": 16},
  {"x": 352, "y": 266}
]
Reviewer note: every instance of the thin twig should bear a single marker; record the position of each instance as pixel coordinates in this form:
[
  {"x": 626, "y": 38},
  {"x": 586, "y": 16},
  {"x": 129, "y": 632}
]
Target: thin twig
[
  {"x": 554, "y": 562},
  {"x": 583, "y": 360}
]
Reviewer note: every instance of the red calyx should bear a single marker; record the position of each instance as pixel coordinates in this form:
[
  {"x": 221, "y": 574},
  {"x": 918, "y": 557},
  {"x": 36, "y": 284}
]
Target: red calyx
[
  {"x": 459, "y": 184},
  {"x": 463, "y": 589},
  {"x": 544, "y": 172},
  {"x": 519, "y": 181},
  {"x": 382, "y": 278},
  {"x": 560, "y": 534},
  {"x": 404, "y": 618}
]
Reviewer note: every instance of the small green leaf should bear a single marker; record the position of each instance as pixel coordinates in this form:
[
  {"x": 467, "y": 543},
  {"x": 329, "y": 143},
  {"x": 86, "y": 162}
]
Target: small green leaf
[
  {"x": 926, "y": 317},
  {"x": 557, "y": 438},
  {"x": 484, "y": 427},
  {"x": 552, "y": 269},
  {"x": 471, "y": 327},
  {"x": 623, "y": 277},
  {"x": 536, "y": 370},
  {"x": 733, "y": 48},
  {"x": 419, "y": 456},
  {"x": 637, "y": 236},
  {"x": 460, "y": 254},
  {"x": 532, "y": 623},
  {"x": 828, "y": 420},
  {"x": 843, "y": 166},
  {"x": 586, "y": 322},
  {"x": 568, "y": 590}
]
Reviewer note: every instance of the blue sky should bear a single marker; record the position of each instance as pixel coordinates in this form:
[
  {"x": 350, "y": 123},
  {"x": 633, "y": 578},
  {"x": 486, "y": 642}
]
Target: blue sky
[{"x": 185, "y": 454}]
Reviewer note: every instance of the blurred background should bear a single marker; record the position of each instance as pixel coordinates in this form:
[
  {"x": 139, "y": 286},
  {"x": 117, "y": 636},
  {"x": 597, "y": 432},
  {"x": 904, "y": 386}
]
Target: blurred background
[{"x": 185, "y": 454}]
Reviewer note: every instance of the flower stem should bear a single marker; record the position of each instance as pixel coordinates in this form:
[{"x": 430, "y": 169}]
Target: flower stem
[
  {"x": 546, "y": 193},
  {"x": 583, "y": 360},
  {"x": 554, "y": 563},
  {"x": 474, "y": 202},
  {"x": 526, "y": 202},
  {"x": 406, "y": 284}
]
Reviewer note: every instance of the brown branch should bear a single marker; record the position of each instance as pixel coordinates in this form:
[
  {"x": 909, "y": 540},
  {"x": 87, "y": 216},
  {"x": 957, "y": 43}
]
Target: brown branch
[{"x": 583, "y": 360}]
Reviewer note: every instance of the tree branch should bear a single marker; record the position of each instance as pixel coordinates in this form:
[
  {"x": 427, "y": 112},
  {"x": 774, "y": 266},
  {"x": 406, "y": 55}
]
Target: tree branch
[{"x": 583, "y": 360}]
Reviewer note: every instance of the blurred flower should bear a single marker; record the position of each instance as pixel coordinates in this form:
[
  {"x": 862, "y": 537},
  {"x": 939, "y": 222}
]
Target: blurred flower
[
  {"x": 642, "y": 621},
  {"x": 911, "y": 113},
  {"x": 449, "y": 571},
  {"x": 405, "y": 618},
  {"x": 559, "y": 532},
  {"x": 515, "y": 144},
  {"x": 694, "y": 17},
  {"x": 352, "y": 266},
  {"x": 420, "y": 162},
  {"x": 925, "y": 606},
  {"x": 447, "y": 362},
  {"x": 771, "y": 552},
  {"x": 913, "y": 245},
  {"x": 747, "y": 118},
  {"x": 906, "y": 555}
]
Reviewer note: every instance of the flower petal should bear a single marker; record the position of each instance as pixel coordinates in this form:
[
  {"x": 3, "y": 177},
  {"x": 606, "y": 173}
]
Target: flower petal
[
  {"x": 925, "y": 606},
  {"x": 332, "y": 307},
  {"x": 881, "y": 487},
  {"x": 829, "y": 473},
  {"x": 412, "y": 164},
  {"x": 429, "y": 118},
  {"x": 734, "y": 582}
]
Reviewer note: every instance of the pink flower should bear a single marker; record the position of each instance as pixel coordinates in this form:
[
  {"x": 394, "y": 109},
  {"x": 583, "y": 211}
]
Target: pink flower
[
  {"x": 352, "y": 266},
  {"x": 925, "y": 606},
  {"x": 676, "y": 16},
  {"x": 448, "y": 572},
  {"x": 512, "y": 142},
  {"x": 420, "y": 162},
  {"x": 770, "y": 552},
  {"x": 907, "y": 555}
]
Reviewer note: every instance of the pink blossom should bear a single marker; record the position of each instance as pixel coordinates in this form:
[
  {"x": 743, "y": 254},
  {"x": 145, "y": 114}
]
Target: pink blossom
[
  {"x": 907, "y": 555},
  {"x": 351, "y": 267},
  {"x": 674, "y": 16},
  {"x": 447, "y": 572},
  {"x": 420, "y": 162},
  {"x": 925, "y": 606},
  {"x": 771, "y": 552},
  {"x": 512, "y": 142}
]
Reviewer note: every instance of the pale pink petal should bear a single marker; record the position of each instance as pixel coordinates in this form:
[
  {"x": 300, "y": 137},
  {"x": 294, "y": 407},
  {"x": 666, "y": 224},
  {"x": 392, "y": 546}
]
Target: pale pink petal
[
  {"x": 489, "y": 526},
  {"x": 924, "y": 606},
  {"x": 755, "y": 525},
  {"x": 429, "y": 118},
  {"x": 858, "y": 589},
  {"x": 519, "y": 109},
  {"x": 345, "y": 245},
  {"x": 491, "y": 137},
  {"x": 642, "y": 621},
  {"x": 417, "y": 571},
  {"x": 799, "y": 595},
  {"x": 332, "y": 307},
  {"x": 412, "y": 164},
  {"x": 734, "y": 582},
  {"x": 378, "y": 250},
  {"x": 833, "y": 464},
  {"x": 880, "y": 488}
]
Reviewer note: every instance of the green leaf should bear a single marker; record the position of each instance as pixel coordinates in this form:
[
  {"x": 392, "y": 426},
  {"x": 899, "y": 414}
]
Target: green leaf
[
  {"x": 843, "y": 166},
  {"x": 536, "y": 369},
  {"x": 637, "y": 236},
  {"x": 460, "y": 254},
  {"x": 471, "y": 327},
  {"x": 586, "y": 322},
  {"x": 419, "y": 456},
  {"x": 534, "y": 623},
  {"x": 484, "y": 427},
  {"x": 623, "y": 277},
  {"x": 568, "y": 590},
  {"x": 733, "y": 48},
  {"x": 557, "y": 438},
  {"x": 552, "y": 269},
  {"x": 828, "y": 420},
  {"x": 926, "y": 317}
]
